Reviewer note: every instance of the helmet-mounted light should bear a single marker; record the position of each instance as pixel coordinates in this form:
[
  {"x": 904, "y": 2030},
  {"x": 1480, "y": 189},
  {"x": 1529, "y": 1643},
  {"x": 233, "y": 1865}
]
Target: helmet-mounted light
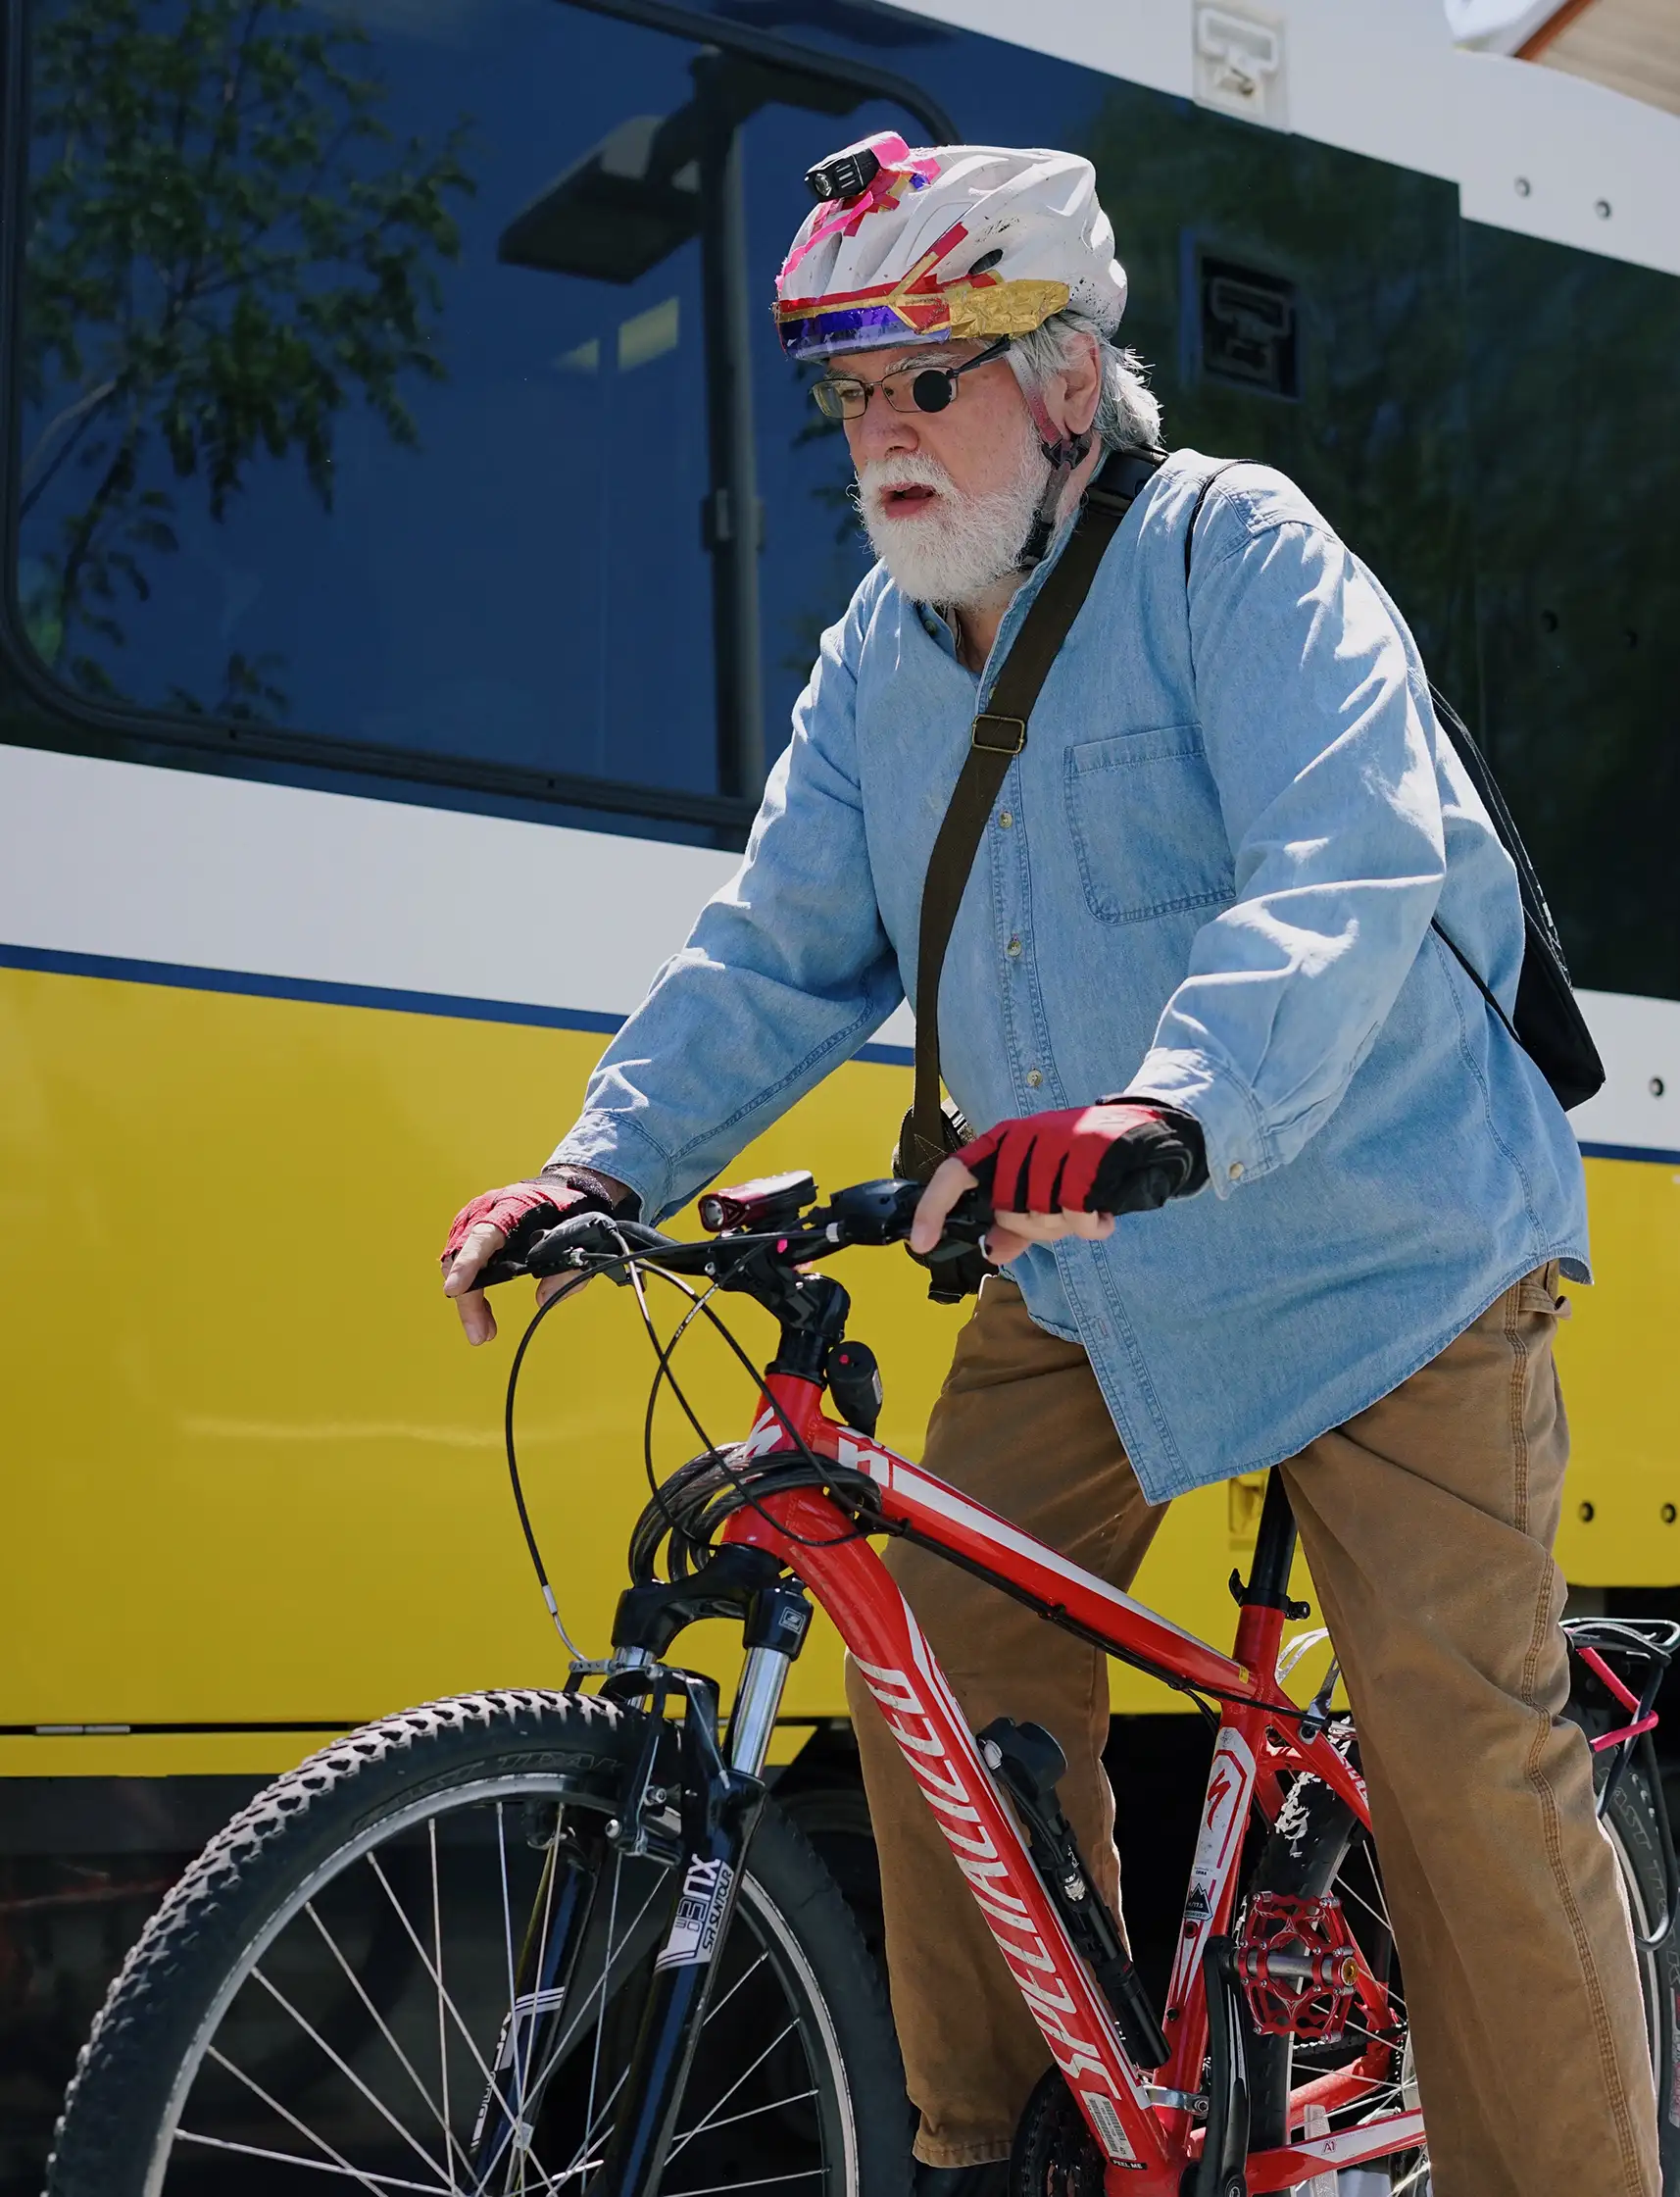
[{"x": 845, "y": 176}]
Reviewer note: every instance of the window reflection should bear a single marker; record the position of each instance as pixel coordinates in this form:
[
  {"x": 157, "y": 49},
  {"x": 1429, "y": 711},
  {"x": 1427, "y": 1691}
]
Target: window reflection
[
  {"x": 320, "y": 434},
  {"x": 228, "y": 250},
  {"x": 1573, "y": 386}
]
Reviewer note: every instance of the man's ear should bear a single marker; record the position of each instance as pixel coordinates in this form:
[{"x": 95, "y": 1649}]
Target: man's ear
[{"x": 1081, "y": 385}]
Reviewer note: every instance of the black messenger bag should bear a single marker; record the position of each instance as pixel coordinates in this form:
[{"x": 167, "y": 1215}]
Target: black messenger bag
[{"x": 1547, "y": 1024}]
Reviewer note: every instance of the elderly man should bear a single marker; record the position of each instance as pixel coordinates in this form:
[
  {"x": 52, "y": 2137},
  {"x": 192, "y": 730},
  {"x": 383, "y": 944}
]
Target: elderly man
[{"x": 1194, "y": 982}]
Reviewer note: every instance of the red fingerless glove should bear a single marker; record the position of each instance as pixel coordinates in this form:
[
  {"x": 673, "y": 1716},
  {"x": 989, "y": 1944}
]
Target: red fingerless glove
[
  {"x": 525, "y": 1209},
  {"x": 1116, "y": 1157}
]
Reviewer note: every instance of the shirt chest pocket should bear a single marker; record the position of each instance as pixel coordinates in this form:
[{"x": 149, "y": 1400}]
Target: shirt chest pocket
[{"x": 1145, "y": 821}]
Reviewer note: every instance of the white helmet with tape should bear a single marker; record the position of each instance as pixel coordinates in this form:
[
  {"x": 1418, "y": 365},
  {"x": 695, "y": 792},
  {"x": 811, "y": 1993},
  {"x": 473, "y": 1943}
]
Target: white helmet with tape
[{"x": 947, "y": 243}]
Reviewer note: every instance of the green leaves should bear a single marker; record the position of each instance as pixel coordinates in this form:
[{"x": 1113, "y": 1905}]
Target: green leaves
[{"x": 227, "y": 249}]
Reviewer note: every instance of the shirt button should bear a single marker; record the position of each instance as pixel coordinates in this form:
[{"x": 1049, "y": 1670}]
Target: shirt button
[
  {"x": 1034, "y": 1078},
  {"x": 1013, "y": 949},
  {"x": 1006, "y": 817},
  {"x": 1235, "y": 1171}
]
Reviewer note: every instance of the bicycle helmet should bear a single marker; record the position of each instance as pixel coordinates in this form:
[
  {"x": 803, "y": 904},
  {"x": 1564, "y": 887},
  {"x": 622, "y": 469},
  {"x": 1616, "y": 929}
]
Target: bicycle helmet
[{"x": 953, "y": 241}]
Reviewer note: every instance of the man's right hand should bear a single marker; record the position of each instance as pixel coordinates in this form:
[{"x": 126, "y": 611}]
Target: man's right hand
[{"x": 486, "y": 1225}]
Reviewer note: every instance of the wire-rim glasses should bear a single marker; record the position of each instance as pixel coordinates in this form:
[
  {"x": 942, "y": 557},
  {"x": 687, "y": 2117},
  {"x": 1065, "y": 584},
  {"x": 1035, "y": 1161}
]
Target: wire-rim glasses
[{"x": 926, "y": 388}]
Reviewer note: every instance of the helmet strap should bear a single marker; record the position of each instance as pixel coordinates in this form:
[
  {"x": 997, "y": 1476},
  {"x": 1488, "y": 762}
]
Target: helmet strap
[{"x": 1062, "y": 453}]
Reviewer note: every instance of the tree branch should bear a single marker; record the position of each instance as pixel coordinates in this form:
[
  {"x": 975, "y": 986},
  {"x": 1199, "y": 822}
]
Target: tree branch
[{"x": 56, "y": 426}]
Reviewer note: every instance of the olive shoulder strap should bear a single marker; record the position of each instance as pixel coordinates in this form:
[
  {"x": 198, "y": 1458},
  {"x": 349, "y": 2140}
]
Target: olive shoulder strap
[{"x": 999, "y": 735}]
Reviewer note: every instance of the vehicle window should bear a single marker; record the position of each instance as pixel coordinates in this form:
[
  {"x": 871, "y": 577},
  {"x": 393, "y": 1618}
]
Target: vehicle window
[
  {"x": 366, "y": 357},
  {"x": 1578, "y": 586}
]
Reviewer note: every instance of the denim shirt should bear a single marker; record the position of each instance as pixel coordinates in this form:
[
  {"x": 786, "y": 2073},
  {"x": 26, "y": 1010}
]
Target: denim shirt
[{"x": 1209, "y": 877}]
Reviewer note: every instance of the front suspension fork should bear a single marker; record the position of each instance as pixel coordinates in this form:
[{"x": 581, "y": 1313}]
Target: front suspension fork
[{"x": 723, "y": 1797}]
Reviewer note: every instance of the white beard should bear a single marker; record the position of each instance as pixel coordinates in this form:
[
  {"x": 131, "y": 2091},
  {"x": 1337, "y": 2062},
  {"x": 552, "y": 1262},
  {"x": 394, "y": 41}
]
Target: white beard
[{"x": 956, "y": 549}]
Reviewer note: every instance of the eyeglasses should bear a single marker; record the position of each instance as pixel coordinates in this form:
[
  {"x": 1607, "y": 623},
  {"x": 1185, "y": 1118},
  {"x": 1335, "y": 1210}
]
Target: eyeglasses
[{"x": 910, "y": 389}]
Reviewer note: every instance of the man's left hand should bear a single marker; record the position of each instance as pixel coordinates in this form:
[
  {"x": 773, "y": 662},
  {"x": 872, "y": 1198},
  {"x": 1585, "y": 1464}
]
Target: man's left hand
[{"x": 1066, "y": 1174}]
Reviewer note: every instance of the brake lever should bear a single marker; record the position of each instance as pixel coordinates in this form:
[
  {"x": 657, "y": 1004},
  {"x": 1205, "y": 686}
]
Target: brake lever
[
  {"x": 548, "y": 1251},
  {"x": 589, "y": 1235}
]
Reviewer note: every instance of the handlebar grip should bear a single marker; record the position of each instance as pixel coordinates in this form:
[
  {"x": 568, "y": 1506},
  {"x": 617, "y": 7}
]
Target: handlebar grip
[{"x": 971, "y": 1216}]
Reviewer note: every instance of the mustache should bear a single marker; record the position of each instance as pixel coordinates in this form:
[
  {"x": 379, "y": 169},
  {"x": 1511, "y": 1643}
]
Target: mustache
[{"x": 909, "y": 470}]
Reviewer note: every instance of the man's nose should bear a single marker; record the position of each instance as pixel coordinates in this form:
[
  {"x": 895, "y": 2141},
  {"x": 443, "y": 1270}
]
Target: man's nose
[{"x": 881, "y": 432}]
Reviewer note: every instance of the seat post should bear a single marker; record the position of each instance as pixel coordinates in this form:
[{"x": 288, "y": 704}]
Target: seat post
[{"x": 1274, "y": 1550}]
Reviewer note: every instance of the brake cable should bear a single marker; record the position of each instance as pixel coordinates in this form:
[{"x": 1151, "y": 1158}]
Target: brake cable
[
  {"x": 525, "y": 1527},
  {"x": 824, "y": 1473},
  {"x": 633, "y": 1262}
]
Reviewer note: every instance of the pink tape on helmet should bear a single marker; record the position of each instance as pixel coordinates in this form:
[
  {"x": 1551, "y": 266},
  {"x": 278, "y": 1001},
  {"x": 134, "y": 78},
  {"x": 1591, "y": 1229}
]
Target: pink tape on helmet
[{"x": 896, "y": 168}]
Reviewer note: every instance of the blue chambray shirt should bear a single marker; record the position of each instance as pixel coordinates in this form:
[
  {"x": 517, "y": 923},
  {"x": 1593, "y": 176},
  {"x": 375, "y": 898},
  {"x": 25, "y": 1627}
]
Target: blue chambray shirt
[{"x": 1209, "y": 878}]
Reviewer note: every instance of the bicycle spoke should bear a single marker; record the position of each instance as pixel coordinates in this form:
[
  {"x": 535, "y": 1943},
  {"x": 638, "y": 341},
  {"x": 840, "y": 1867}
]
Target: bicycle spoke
[
  {"x": 719, "y": 2188},
  {"x": 442, "y": 2026},
  {"x": 507, "y": 1947},
  {"x": 314, "y": 2165},
  {"x": 446, "y": 2001},
  {"x": 713, "y": 2011},
  {"x": 709, "y": 2127},
  {"x": 345, "y": 2068},
  {"x": 1378, "y": 1915},
  {"x": 309, "y": 2135},
  {"x": 518, "y": 2086},
  {"x": 701, "y": 2126},
  {"x": 524, "y": 2089},
  {"x": 579, "y": 2163},
  {"x": 605, "y": 1972},
  {"x": 354, "y": 1983},
  {"x": 557, "y": 2057}
]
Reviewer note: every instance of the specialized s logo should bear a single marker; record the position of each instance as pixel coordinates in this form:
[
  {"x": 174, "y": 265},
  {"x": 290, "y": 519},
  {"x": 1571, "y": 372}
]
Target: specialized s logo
[
  {"x": 1230, "y": 1782},
  {"x": 1032, "y": 1963},
  {"x": 766, "y": 1436},
  {"x": 1219, "y": 1785}
]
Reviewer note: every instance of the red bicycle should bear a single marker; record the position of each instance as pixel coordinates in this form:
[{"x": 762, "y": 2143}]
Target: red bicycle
[{"x": 629, "y": 1974}]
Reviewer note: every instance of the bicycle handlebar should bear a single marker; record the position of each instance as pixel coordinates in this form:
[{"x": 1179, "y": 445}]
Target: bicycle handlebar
[{"x": 865, "y": 1213}]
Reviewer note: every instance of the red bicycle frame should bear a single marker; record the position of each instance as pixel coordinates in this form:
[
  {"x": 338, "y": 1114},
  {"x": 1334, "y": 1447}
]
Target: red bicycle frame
[{"x": 1144, "y": 2126}]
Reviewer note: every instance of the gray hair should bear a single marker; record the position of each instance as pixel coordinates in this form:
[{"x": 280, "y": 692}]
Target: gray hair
[{"x": 1128, "y": 412}]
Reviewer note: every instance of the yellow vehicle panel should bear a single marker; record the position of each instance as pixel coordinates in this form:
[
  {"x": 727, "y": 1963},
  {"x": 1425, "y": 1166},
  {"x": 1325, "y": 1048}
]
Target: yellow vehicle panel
[{"x": 256, "y": 1480}]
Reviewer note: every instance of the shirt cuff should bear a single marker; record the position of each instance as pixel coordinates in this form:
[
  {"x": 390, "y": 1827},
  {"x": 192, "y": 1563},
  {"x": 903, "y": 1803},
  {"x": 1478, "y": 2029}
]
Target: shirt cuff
[
  {"x": 1233, "y": 1128},
  {"x": 611, "y": 1145}
]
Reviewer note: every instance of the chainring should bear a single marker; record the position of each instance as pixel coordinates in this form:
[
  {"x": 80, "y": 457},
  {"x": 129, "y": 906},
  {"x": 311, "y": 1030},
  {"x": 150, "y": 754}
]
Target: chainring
[{"x": 1054, "y": 2154}]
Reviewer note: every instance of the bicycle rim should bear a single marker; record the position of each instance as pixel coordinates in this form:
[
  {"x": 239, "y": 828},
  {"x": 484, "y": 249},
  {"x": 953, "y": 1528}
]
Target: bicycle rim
[{"x": 401, "y": 2075}]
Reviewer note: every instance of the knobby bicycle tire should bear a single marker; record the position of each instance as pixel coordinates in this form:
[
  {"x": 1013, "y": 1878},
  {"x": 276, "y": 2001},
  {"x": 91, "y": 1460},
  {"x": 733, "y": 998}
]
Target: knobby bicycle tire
[{"x": 276, "y": 1865}]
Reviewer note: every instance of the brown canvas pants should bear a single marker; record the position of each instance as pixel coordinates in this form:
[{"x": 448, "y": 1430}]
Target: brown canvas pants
[{"x": 1428, "y": 1522}]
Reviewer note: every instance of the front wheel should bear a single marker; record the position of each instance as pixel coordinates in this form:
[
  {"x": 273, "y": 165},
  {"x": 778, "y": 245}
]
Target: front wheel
[{"x": 417, "y": 1965}]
